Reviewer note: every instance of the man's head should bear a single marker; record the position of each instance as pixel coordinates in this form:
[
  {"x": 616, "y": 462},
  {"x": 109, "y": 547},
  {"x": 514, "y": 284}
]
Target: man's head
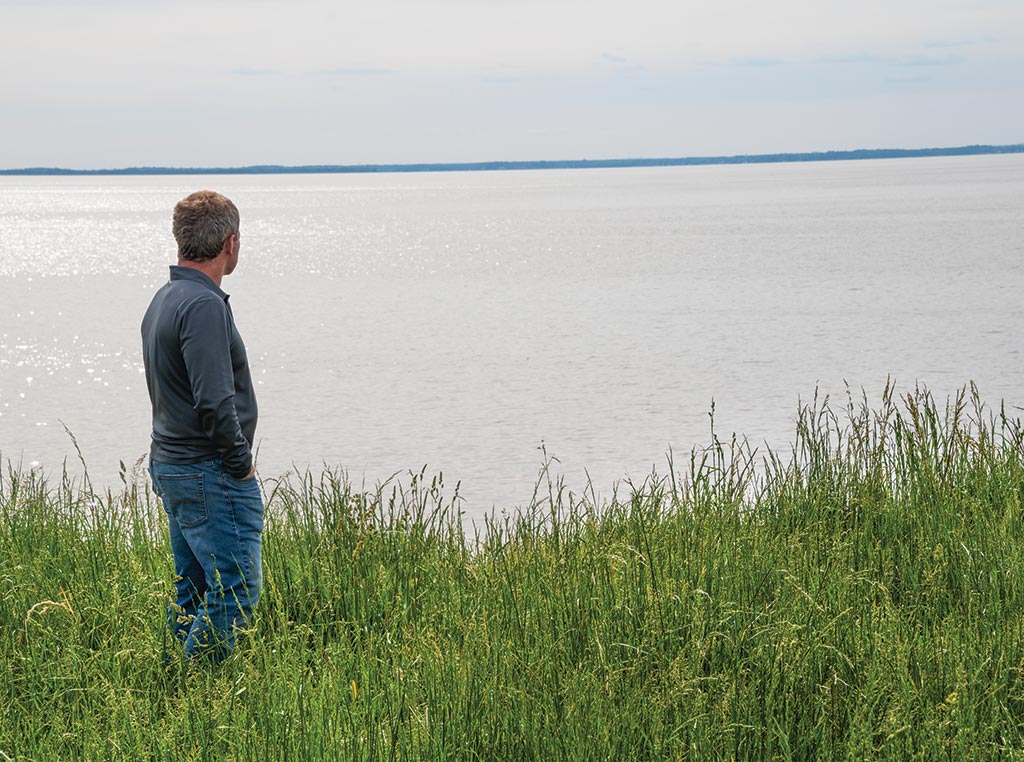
[{"x": 203, "y": 222}]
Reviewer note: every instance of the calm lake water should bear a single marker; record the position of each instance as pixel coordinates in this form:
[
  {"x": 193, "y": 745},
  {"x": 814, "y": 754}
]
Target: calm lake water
[{"x": 462, "y": 320}]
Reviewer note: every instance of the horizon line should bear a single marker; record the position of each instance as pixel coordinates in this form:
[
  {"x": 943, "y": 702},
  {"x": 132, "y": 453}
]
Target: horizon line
[{"x": 765, "y": 158}]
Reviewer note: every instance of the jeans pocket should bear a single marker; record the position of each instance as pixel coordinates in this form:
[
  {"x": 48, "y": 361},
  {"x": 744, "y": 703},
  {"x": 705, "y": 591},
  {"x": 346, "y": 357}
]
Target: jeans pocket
[
  {"x": 245, "y": 485},
  {"x": 184, "y": 497}
]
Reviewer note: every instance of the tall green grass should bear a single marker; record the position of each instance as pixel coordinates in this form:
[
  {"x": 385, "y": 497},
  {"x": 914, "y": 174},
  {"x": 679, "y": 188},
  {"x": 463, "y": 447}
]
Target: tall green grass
[{"x": 857, "y": 597}]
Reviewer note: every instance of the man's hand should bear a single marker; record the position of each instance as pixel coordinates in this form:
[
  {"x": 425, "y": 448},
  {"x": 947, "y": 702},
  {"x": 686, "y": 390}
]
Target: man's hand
[{"x": 251, "y": 474}]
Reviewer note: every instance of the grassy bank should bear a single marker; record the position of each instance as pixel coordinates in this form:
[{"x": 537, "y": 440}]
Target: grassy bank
[{"x": 861, "y": 597}]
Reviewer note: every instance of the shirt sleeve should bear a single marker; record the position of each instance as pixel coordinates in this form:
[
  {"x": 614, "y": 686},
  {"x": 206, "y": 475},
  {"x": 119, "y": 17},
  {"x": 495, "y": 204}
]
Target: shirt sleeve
[{"x": 205, "y": 332}]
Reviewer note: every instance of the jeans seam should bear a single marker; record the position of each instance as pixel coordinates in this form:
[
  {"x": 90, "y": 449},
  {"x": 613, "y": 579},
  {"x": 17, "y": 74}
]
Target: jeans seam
[{"x": 246, "y": 562}]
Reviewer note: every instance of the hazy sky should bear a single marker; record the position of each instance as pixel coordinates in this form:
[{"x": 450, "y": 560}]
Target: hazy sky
[{"x": 115, "y": 83}]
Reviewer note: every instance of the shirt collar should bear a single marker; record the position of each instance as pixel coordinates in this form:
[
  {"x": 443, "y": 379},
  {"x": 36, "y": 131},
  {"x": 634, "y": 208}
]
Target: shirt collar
[{"x": 179, "y": 272}]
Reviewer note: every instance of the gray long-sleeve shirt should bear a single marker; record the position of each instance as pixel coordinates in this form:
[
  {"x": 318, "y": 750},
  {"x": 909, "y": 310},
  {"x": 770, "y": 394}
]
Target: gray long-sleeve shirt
[{"x": 204, "y": 405}]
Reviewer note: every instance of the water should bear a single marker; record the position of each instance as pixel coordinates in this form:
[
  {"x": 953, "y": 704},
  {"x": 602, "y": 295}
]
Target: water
[{"x": 461, "y": 321}]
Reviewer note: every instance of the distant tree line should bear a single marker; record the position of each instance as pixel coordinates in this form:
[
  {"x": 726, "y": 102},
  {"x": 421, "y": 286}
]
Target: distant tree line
[{"x": 764, "y": 158}]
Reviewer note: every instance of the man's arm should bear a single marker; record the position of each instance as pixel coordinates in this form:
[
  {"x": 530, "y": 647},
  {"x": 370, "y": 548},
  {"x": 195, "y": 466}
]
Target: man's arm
[{"x": 205, "y": 332}]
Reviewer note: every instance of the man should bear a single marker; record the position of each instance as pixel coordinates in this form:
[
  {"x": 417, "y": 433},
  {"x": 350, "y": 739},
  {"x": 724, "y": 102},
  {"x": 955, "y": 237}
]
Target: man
[{"x": 204, "y": 421}]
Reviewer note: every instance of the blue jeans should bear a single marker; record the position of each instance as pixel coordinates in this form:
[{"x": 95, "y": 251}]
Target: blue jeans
[{"x": 216, "y": 525}]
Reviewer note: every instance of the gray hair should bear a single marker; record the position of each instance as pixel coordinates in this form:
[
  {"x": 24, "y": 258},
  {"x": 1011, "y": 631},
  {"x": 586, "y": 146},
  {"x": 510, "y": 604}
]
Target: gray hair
[{"x": 202, "y": 222}]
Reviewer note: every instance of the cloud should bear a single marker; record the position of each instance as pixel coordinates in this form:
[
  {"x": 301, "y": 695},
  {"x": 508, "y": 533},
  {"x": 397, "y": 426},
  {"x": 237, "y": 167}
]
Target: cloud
[
  {"x": 620, "y": 65},
  {"x": 943, "y": 44},
  {"x": 958, "y": 42},
  {"x": 907, "y": 61},
  {"x": 911, "y": 61}
]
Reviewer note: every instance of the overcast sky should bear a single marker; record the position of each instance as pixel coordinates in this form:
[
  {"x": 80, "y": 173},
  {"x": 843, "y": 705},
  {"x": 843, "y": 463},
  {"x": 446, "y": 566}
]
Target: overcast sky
[{"x": 117, "y": 83}]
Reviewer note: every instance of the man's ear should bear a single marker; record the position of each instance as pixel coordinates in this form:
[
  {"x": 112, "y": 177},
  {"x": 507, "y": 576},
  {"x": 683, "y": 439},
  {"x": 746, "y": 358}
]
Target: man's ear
[{"x": 227, "y": 245}]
